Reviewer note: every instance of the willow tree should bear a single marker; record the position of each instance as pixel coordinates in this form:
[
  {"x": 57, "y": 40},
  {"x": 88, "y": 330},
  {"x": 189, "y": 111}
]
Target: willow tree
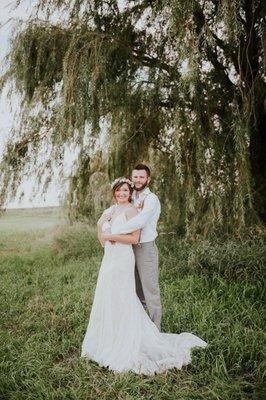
[{"x": 174, "y": 83}]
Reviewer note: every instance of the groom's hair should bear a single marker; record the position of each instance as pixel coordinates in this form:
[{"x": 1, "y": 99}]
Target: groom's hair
[{"x": 143, "y": 166}]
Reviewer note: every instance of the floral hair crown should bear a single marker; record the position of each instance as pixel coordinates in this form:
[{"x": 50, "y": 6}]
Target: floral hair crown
[{"x": 122, "y": 180}]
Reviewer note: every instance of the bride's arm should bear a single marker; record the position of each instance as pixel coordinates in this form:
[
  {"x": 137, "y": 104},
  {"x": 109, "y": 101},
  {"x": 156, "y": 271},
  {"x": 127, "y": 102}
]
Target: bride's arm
[
  {"x": 131, "y": 238},
  {"x": 99, "y": 234}
]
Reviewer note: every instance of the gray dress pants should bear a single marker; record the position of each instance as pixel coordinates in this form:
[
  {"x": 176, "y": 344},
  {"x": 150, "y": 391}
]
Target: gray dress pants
[{"x": 146, "y": 276}]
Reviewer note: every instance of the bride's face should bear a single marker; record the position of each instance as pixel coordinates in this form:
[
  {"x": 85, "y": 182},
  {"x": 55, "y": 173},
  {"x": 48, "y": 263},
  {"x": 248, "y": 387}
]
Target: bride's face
[{"x": 122, "y": 194}]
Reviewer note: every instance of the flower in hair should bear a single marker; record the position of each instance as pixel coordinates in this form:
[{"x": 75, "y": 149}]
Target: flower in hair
[{"x": 122, "y": 180}]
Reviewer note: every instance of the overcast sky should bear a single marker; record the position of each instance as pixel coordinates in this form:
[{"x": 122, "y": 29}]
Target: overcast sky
[{"x": 8, "y": 17}]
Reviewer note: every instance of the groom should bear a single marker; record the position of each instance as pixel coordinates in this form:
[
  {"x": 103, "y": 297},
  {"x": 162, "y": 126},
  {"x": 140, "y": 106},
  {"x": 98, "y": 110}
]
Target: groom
[{"x": 146, "y": 252}]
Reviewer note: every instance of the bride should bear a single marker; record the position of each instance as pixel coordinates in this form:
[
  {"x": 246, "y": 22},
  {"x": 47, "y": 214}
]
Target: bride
[{"x": 120, "y": 335}]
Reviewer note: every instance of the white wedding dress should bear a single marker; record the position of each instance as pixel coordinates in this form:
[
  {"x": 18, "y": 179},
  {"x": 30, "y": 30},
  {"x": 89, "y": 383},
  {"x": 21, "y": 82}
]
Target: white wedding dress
[{"x": 120, "y": 335}]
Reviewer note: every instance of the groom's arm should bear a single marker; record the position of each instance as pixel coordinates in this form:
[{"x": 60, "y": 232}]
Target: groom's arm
[{"x": 140, "y": 220}]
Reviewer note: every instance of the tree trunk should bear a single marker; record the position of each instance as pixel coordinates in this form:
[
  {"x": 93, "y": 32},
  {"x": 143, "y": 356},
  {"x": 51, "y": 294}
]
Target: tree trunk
[{"x": 258, "y": 152}]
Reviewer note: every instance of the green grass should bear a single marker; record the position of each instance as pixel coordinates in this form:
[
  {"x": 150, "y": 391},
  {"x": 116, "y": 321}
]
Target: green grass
[{"x": 48, "y": 277}]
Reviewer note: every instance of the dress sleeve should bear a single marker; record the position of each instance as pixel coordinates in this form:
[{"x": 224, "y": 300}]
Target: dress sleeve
[
  {"x": 107, "y": 213},
  {"x": 108, "y": 210}
]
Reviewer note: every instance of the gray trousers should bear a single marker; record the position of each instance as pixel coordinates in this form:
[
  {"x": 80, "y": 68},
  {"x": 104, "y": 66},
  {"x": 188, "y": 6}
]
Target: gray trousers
[{"x": 146, "y": 276}]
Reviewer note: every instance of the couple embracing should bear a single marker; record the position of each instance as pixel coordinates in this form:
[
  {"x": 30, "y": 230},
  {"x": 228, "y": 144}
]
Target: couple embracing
[{"x": 123, "y": 332}]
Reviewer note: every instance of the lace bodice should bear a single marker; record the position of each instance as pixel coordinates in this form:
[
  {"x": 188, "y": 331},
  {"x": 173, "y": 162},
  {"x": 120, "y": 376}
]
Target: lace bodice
[{"x": 108, "y": 225}]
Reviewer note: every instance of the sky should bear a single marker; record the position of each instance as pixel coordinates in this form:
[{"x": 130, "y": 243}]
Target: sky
[{"x": 8, "y": 17}]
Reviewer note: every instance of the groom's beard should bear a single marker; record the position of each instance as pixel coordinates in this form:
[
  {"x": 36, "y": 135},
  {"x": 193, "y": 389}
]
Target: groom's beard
[{"x": 139, "y": 189}]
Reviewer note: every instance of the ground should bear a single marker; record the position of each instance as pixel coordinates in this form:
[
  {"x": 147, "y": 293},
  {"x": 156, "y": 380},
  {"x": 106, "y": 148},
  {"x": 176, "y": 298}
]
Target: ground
[{"x": 48, "y": 275}]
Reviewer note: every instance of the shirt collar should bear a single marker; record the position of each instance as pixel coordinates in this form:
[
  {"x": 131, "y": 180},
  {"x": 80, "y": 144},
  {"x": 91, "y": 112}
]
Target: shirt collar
[{"x": 144, "y": 193}]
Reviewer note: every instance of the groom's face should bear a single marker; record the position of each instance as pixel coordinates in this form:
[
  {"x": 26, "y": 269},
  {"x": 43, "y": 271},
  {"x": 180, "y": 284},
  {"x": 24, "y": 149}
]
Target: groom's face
[{"x": 140, "y": 179}]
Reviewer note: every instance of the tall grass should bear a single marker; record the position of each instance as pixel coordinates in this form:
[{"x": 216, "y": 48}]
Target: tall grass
[{"x": 214, "y": 290}]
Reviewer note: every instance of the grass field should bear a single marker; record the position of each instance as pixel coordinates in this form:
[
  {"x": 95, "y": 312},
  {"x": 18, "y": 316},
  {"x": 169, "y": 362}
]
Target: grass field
[{"x": 48, "y": 276}]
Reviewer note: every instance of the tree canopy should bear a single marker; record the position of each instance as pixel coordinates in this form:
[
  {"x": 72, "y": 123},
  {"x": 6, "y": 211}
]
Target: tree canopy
[{"x": 177, "y": 84}]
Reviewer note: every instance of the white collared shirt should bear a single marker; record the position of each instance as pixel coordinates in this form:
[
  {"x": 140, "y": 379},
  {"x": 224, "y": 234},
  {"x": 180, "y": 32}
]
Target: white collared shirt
[{"x": 147, "y": 218}]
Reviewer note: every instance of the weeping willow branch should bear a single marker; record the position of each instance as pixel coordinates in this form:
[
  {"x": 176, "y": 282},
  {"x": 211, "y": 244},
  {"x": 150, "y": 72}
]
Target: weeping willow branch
[{"x": 115, "y": 75}]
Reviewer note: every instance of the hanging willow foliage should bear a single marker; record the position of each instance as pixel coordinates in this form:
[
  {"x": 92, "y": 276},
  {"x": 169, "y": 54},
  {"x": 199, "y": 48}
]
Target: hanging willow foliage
[{"x": 176, "y": 84}]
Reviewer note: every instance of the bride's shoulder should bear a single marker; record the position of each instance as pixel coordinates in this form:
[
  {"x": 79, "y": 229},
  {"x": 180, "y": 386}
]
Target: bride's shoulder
[
  {"x": 106, "y": 214},
  {"x": 109, "y": 210},
  {"x": 131, "y": 212}
]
